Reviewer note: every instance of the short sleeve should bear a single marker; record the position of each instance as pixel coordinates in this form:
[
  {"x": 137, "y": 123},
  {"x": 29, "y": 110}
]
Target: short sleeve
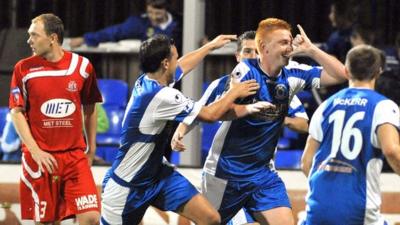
[
  {"x": 315, "y": 129},
  {"x": 212, "y": 92},
  {"x": 303, "y": 77},
  {"x": 173, "y": 105},
  {"x": 296, "y": 109},
  {"x": 240, "y": 72},
  {"x": 386, "y": 112},
  {"x": 16, "y": 98},
  {"x": 90, "y": 93}
]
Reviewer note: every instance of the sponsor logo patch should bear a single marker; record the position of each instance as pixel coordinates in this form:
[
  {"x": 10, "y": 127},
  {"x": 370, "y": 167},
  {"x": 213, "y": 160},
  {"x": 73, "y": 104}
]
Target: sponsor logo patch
[
  {"x": 72, "y": 86},
  {"x": 178, "y": 98},
  {"x": 36, "y": 68},
  {"x": 86, "y": 202},
  {"x": 15, "y": 93},
  {"x": 58, "y": 108}
]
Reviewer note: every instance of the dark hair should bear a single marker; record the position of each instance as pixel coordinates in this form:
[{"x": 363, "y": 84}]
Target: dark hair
[
  {"x": 367, "y": 34},
  {"x": 52, "y": 25},
  {"x": 158, "y": 4},
  {"x": 345, "y": 12},
  {"x": 365, "y": 62},
  {"x": 153, "y": 51},
  {"x": 248, "y": 35}
]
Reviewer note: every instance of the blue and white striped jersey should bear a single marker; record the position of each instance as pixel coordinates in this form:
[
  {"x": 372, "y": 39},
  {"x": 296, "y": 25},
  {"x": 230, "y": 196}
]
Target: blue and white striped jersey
[
  {"x": 140, "y": 156},
  {"x": 296, "y": 109},
  {"x": 344, "y": 179},
  {"x": 242, "y": 148}
]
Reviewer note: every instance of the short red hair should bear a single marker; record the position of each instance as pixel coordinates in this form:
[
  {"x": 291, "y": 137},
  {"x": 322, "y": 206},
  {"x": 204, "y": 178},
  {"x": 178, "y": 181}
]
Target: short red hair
[{"x": 268, "y": 25}]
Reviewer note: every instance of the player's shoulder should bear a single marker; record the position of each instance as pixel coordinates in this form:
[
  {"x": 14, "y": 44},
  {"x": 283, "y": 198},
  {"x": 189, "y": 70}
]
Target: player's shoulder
[
  {"x": 75, "y": 56},
  {"x": 82, "y": 63},
  {"x": 244, "y": 68},
  {"x": 218, "y": 86},
  {"x": 220, "y": 81},
  {"x": 31, "y": 60},
  {"x": 384, "y": 103},
  {"x": 28, "y": 65},
  {"x": 169, "y": 96},
  {"x": 296, "y": 66}
]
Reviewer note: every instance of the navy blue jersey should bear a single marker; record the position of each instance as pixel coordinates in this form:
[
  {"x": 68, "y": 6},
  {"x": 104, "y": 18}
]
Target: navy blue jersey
[
  {"x": 243, "y": 148},
  {"x": 135, "y": 27},
  {"x": 344, "y": 179}
]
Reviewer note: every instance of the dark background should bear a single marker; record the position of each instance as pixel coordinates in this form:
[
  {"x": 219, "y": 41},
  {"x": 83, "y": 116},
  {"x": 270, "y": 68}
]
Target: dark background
[{"x": 222, "y": 16}]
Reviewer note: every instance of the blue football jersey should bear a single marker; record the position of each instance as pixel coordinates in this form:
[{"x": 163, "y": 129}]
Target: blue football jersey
[
  {"x": 242, "y": 148},
  {"x": 296, "y": 109},
  {"x": 140, "y": 156},
  {"x": 344, "y": 179}
]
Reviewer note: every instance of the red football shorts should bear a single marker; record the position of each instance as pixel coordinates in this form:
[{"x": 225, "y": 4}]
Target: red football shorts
[{"x": 68, "y": 191}]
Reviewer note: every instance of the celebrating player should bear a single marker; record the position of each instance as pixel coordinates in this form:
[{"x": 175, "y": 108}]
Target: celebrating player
[
  {"x": 236, "y": 172},
  {"x": 139, "y": 176}
]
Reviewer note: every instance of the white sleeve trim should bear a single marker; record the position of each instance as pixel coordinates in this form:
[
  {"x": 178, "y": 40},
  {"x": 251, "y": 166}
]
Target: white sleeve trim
[
  {"x": 315, "y": 128},
  {"x": 193, "y": 114},
  {"x": 203, "y": 100},
  {"x": 386, "y": 111}
]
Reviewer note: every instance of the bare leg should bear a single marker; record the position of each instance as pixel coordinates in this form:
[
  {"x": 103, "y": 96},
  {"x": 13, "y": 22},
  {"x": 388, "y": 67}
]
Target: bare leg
[
  {"x": 276, "y": 216},
  {"x": 183, "y": 221},
  {"x": 200, "y": 211},
  {"x": 162, "y": 214},
  {"x": 89, "y": 218}
]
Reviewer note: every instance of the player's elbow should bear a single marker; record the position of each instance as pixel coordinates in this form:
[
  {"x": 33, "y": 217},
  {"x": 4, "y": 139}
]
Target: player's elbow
[
  {"x": 16, "y": 110},
  {"x": 210, "y": 118},
  {"x": 392, "y": 152},
  {"x": 208, "y": 115},
  {"x": 213, "y": 219}
]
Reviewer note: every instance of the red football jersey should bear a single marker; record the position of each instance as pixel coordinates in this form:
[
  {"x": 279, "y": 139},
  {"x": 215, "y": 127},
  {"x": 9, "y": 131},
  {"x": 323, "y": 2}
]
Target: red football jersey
[{"x": 52, "y": 94}]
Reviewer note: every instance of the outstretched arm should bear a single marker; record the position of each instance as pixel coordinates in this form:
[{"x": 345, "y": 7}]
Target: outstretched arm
[
  {"x": 297, "y": 124},
  {"x": 237, "y": 111},
  {"x": 333, "y": 70},
  {"x": 190, "y": 60}
]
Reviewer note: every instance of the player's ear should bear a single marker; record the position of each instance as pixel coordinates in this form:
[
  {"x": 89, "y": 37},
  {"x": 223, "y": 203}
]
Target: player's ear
[
  {"x": 165, "y": 64},
  {"x": 237, "y": 55},
  {"x": 261, "y": 45},
  {"x": 53, "y": 38},
  {"x": 346, "y": 71}
]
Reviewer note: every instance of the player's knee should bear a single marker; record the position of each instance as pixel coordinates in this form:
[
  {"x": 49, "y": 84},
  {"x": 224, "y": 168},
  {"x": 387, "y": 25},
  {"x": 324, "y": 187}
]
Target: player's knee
[
  {"x": 288, "y": 221},
  {"x": 92, "y": 219},
  {"x": 213, "y": 218}
]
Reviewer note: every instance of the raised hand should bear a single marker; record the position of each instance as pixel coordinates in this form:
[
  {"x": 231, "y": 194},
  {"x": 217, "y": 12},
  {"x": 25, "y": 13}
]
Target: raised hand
[
  {"x": 302, "y": 45},
  {"x": 221, "y": 40}
]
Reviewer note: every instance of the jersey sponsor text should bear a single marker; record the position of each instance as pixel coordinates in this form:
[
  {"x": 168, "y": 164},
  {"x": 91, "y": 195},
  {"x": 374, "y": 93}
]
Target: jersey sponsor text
[
  {"x": 58, "y": 108},
  {"x": 86, "y": 202}
]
